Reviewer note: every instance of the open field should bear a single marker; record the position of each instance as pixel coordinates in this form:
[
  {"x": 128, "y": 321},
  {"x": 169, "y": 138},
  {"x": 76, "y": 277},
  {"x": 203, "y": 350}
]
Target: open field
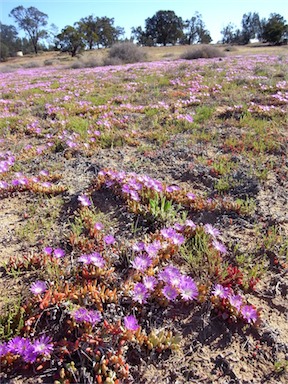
[
  {"x": 95, "y": 57},
  {"x": 144, "y": 219}
]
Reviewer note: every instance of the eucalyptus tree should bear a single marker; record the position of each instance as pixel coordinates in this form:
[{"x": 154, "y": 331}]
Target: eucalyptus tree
[{"x": 32, "y": 21}]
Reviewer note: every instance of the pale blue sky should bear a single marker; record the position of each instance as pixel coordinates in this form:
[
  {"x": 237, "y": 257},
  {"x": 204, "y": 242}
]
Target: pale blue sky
[{"x": 131, "y": 13}]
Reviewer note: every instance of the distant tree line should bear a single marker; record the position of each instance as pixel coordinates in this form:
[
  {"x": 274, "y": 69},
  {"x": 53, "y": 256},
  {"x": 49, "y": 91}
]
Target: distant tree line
[
  {"x": 163, "y": 28},
  {"x": 274, "y": 30}
]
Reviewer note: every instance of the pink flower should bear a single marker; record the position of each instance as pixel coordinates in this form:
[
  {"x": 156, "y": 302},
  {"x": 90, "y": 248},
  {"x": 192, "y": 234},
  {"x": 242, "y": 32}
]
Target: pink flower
[
  {"x": 222, "y": 292},
  {"x": 191, "y": 196},
  {"x": 131, "y": 323},
  {"x": 236, "y": 301},
  {"x": 43, "y": 346},
  {"x": 141, "y": 263},
  {"x": 249, "y": 313},
  {"x": 58, "y": 253},
  {"x": 170, "y": 292},
  {"x": 211, "y": 230},
  {"x": 149, "y": 282},
  {"x": 84, "y": 200},
  {"x": 109, "y": 239},
  {"x": 188, "y": 289},
  {"x": 219, "y": 246},
  {"x": 98, "y": 226},
  {"x": 38, "y": 287},
  {"x": 140, "y": 293},
  {"x": 48, "y": 250}
]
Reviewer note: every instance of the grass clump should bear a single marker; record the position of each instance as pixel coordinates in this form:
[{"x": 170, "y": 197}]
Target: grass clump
[
  {"x": 127, "y": 53},
  {"x": 203, "y": 52}
]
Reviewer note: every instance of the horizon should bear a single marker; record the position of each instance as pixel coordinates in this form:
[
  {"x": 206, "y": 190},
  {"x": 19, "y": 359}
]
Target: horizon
[{"x": 131, "y": 13}]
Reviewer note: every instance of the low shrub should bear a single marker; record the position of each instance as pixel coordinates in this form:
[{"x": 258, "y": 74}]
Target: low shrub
[
  {"x": 202, "y": 52},
  {"x": 126, "y": 52},
  {"x": 230, "y": 48},
  {"x": 48, "y": 62},
  {"x": 91, "y": 63},
  {"x": 112, "y": 61},
  {"x": 31, "y": 64}
]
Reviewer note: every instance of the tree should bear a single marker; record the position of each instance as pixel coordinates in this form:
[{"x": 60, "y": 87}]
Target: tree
[
  {"x": 231, "y": 35},
  {"x": 99, "y": 31},
  {"x": 88, "y": 27},
  {"x": 8, "y": 40},
  {"x": 164, "y": 27},
  {"x": 31, "y": 20},
  {"x": 196, "y": 31},
  {"x": 106, "y": 32},
  {"x": 275, "y": 29},
  {"x": 70, "y": 40},
  {"x": 251, "y": 27}
]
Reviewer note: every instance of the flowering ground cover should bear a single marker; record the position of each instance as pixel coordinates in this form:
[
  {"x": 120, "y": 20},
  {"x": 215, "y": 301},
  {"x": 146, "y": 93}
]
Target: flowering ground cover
[{"x": 144, "y": 223}]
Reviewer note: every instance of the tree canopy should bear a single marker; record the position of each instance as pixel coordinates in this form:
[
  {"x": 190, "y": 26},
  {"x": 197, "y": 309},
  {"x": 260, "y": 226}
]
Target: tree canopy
[
  {"x": 32, "y": 21},
  {"x": 165, "y": 27},
  {"x": 196, "y": 31},
  {"x": 275, "y": 29},
  {"x": 70, "y": 40}
]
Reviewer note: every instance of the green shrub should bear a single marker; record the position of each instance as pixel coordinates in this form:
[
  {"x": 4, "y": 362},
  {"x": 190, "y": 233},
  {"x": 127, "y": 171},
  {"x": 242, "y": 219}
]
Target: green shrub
[
  {"x": 202, "y": 52},
  {"x": 126, "y": 52}
]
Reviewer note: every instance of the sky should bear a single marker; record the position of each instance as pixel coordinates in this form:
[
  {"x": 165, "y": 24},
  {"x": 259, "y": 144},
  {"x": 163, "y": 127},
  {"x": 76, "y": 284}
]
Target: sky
[{"x": 216, "y": 14}]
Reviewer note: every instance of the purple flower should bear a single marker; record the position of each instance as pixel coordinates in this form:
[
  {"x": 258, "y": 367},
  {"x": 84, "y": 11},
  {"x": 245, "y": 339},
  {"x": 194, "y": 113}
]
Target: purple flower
[
  {"x": 134, "y": 196},
  {"x": 97, "y": 259},
  {"x": 80, "y": 314},
  {"x": 85, "y": 259},
  {"x": 58, "y": 253},
  {"x": 109, "y": 239},
  {"x": 214, "y": 232},
  {"x": 48, "y": 250},
  {"x": 93, "y": 317},
  {"x": 46, "y": 184},
  {"x": 83, "y": 314},
  {"x": 126, "y": 188},
  {"x": 140, "y": 293},
  {"x": 84, "y": 200},
  {"x": 17, "y": 345},
  {"x": 149, "y": 282},
  {"x": 23, "y": 347},
  {"x": 131, "y": 323},
  {"x": 170, "y": 292},
  {"x": 44, "y": 172},
  {"x": 38, "y": 287},
  {"x": 138, "y": 246},
  {"x": 43, "y": 346},
  {"x": 172, "y": 188},
  {"x": 190, "y": 224},
  {"x": 179, "y": 227},
  {"x": 249, "y": 313},
  {"x": 98, "y": 226},
  {"x": 222, "y": 292},
  {"x": 141, "y": 263},
  {"x": 190, "y": 195},
  {"x": 168, "y": 233},
  {"x": 236, "y": 301},
  {"x": 152, "y": 249},
  {"x": 178, "y": 239},
  {"x": 219, "y": 246},
  {"x": 188, "y": 289},
  {"x": 169, "y": 274},
  {"x": 3, "y": 349}
]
